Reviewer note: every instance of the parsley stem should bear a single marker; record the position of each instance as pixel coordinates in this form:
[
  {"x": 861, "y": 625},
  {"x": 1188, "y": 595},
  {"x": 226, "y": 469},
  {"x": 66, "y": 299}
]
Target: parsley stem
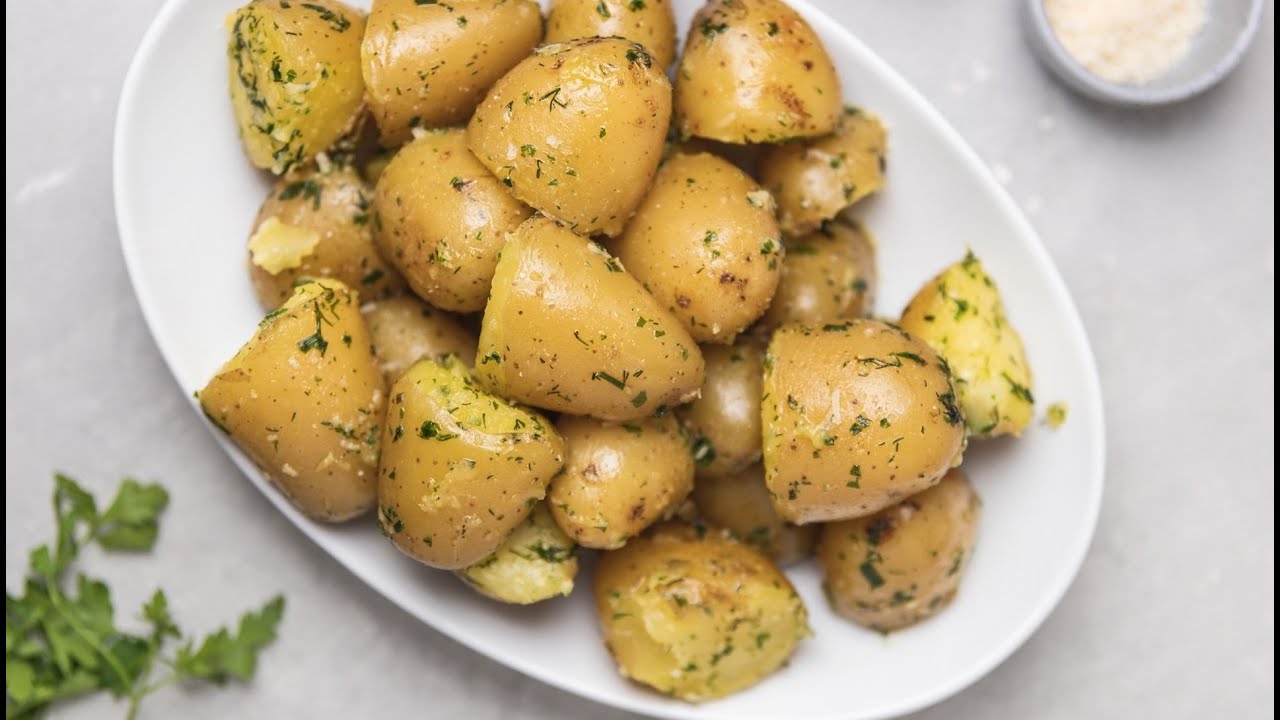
[
  {"x": 55, "y": 597},
  {"x": 135, "y": 697}
]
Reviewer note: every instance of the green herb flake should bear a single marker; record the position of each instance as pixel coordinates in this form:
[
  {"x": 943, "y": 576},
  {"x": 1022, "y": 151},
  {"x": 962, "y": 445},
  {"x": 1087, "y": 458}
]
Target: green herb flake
[
  {"x": 431, "y": 430},
  {"x": 704, "y": 453},
  {"x": 871, "y": 574}
]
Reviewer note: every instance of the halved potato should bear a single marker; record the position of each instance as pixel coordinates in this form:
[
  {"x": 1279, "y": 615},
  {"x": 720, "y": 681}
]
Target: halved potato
[{"x": 535, "y": 563}]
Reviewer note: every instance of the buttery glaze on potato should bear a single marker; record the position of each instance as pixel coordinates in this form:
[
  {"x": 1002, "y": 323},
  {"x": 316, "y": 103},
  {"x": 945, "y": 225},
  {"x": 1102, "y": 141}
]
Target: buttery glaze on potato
[
  {"x": 441, "y": 218},
  {"x": 857, "y": 417},
  {"x": 568, "y": 329},
  {"x": 647, "y": 22},
  {"x": 576, "y": 131},
  {"x": 619, "y": 479},
  {"x": 304, "y": 399},
  {"x": 827, "y": 276},
  {"x": 404, "y": 330},
  {"x": 314, "y": 225},
  {"x": 429, "y": 64},
  {"x": 959, "y": 314},
  {"x": 893, "y": 569},
  {"x": 816, "y": 179},
  {"x": 461, "y": 468},
  {"x": 705, "y": 243},
  {"x": 294, "y": 77},
  {"x": 754, "y": 71},
  {"x": 725, "y": 421},
  {"x": 535, "y": 563},
  {"x": 741, "y": 503}
]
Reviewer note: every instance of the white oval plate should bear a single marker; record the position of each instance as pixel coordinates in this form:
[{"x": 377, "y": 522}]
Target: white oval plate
[{"x": 185, "y": 197}]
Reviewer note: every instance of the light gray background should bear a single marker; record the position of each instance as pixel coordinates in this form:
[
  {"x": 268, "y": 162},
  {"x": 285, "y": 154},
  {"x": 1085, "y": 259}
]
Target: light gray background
[{"x": 1160, "y": 220}]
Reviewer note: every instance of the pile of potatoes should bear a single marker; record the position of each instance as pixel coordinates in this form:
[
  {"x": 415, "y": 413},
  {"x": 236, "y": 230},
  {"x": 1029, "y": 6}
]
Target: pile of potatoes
[{"x": 526, "y": 297}]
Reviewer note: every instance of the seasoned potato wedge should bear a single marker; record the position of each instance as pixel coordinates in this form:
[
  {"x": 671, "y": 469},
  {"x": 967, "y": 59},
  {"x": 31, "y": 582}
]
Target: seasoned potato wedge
[
  {"x": 576, "y": 130},
  {"x": 646, "y": 22},
  {"x": 754, "y": 71},
  {"x": 960, "y": 315},
  {"x": 536, "y": 562},
  {"x": 827, "y": 277},
  {"x": 619, "y": 479},
  {"x": 741, "y": 503},
  {"x": 725, "y": 421},
  {"x": 304, "y": 400},
  {"x": 460, "y": 468},
  {"x": 857, "y": 417},
  {"x": 567, "y": 329},
  {"x": 404, "y": 330},
  {"x": 696, "y": 614},
  {"x": 429, "y": 64},
  {"x": 294, "y": 77},
  {"x": 895, "y": 568}
]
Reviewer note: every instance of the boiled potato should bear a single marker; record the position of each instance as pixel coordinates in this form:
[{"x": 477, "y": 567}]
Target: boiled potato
[
  {"x": 536, "y": 562},
  {"x": 619, "y": 479},
  {"x": 295, "y": 78},
  {"x": 568, "y": 329},
  {"x": 725, "y": 421},
  {"x": 903, "y": 564},
  {"x": 960, "y": 315},
  {"x": 315, "y": 225},
  {"x": 745, "y": 157},
  {"x": 827, "y": 277},
  {"x": 696, "y": 614},
  {"x": 705, "y": 243},
  {"x": 304, "y": 400},
  {"x": 576, "y": 131},
  {"x": 405, "y": 330},
  {"x": 857, "y": 417},
  {"x": 647, "y": 22},
  {"x": 441, "y": 218},
  {"x": 741, "y": 503},
  {"x": 754, "y": 71},
  {"x": 428, "y": 64},
  {"x": 461, "y": 469},
  {"x": 814, "y": 180}
]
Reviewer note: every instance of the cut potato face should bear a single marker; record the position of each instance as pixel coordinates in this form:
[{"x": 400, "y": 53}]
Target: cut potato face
[
  {"x": 724, "y": 423},
  {"x": 404, "y": 330},
  {"x": 649, "y": 23},
  {"x": 827, "y": 276},
  {"x": 535, "y": 563},
  {"x": 741, "y": 503}
]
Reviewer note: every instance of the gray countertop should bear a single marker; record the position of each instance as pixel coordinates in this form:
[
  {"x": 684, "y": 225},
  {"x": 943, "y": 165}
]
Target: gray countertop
[{"x": 1161, "y": 221}]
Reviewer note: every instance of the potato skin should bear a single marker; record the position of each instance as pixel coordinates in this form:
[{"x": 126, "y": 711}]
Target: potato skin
[
  {"x": 576, "y": 130},
  {"x": 535, "y": 563},
  {"x": 650, "y": 23},
  {"x": 856, "y": 416},
  {"x": 429, "y": 64},
  {"x": 960, "y": 315},
  {"x": 304, "y": 399},
  {"x": 568, "y": 329},
  {"x": 893, "y": 569},
  {"x": 332, "y": 207},
  {"x": 404, "y": 330},
  {"x": 294, "y": 77},
  {"x": 705, "y": 243},
  {"x": 741, "y": 503},
  {"x": 724, "y": 422},
  {"x": 619, "y": 479},
  {"x": 441, "y": 218},
  {"x": 816, "y": 179},
  {"x": 460, "y": 468},
  {"x": 827, "y": 276},
  {"x": 754, "y": 71}
]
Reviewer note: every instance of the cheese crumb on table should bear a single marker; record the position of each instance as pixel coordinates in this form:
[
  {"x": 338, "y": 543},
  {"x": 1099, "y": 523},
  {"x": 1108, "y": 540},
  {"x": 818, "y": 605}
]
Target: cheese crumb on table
[{"x": 1128, "y": 42}]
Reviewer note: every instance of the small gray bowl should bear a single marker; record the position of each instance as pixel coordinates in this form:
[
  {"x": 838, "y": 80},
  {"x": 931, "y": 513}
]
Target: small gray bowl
[{"x": 1227, "y": 32}]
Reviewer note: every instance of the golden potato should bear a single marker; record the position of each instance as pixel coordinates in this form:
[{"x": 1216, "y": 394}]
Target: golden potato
[
  {"x": 827, "y": 277},
  {"x": 895, "y": 568},
  {"x": 857, "y": 416},
  {"x": 567, "y": 329},
  {"x": 536, "y": 562},
  {"x": 705, "y": 243},
  {"x": 725, "y": 421},
  {"x": 754, "y": 71},
  {"x": 960, "y": 315},
  {"x": 315, "y": 225},
  {"x": 460, "y": 468},
  {"x": 744, "y": 157},
  {"x": 647, "y": 22},
  {"x": 576, "y": 131},
  {"x": 741, "y": 504},
  {"x": 441, "y": 218},
  {"x": 404, "y": 330},
  {"x": 304, "y": 400},
  {"x": 696, "y": 614},
  {"x": 294, "y": 77},
  {"x": 619, "y": 479},
  {"x": 429, "y": 64}
]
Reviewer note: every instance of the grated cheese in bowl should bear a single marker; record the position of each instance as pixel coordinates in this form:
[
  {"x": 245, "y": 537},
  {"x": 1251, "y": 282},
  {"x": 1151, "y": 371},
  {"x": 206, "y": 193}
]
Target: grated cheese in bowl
[{"x": 1127, "y": 42}]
